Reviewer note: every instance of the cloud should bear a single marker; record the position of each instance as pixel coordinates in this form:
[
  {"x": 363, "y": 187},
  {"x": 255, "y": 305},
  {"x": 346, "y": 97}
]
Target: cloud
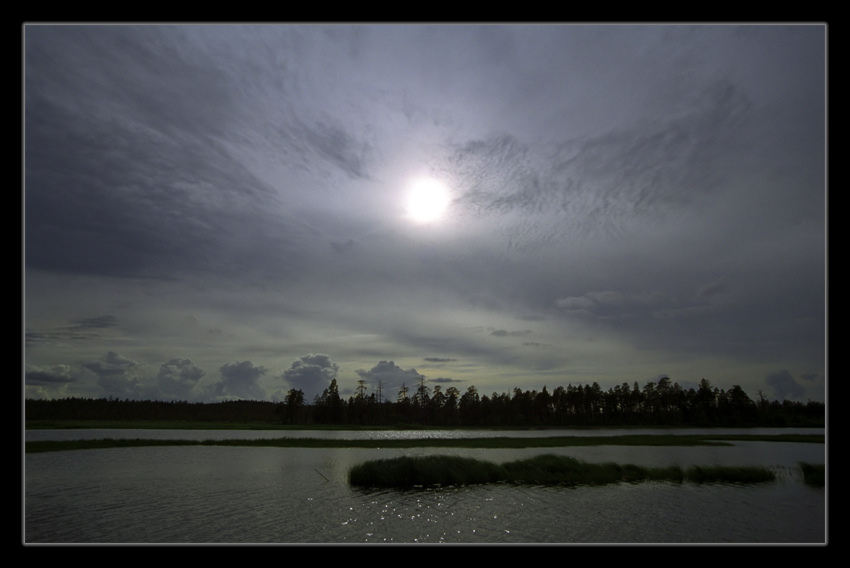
[
  {"x": 83, "y": 329},
  {"x": 178, "y": 378},
  {"x": 117, "y": 375},
  {"x": 101, "y": 322},
  {"x": 55, "y": 375},
  {"x": 506, "y": 333},
  {"x": 240, "y": 381},
  {"x": 50, "y": 381},
  {"x": 604, "y": 184},
  {"x": 311, "y": 374},
  {"x": 607, "y": 298},
  {"x": 616, "y": 306},
  {"x": 253, "y": 176},
  {"x": 142, "y": 156},
  {"x": 784, "y": 386},
  {"x": 445, "y": 380},
  {"x": 576, "y": 304},
  {"x": 334, "y": 145},
  {"x": 389, "y": 377}
]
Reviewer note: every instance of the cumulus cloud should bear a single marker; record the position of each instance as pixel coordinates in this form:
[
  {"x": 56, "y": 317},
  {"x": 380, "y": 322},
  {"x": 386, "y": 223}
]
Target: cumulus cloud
[
  {"x": 117, "y": 375},
  {"x": 240, "y": 381},
  {"x": 389, "y": 376},
  {"x": 55, "y": 375},
  {"x": 784, "y": 386},
  {"x": 48, "y": 381},
  {"x": 311, "y": 374},
  {"x": 177, "y": 379}
]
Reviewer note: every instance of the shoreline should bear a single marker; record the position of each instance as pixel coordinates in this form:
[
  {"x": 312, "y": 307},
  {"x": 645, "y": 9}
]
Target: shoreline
[{"x": 486, "y": 443}]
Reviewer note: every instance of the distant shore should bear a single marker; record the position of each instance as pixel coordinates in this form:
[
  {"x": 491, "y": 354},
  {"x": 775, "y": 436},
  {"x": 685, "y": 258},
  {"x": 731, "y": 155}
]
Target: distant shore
[
  {"x": 489, "y": 442},
  {"x": 191, "y": 425}
]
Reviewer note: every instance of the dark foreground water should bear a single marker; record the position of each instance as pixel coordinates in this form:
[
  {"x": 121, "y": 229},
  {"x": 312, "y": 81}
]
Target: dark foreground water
[{"x": 186, "y": 495}]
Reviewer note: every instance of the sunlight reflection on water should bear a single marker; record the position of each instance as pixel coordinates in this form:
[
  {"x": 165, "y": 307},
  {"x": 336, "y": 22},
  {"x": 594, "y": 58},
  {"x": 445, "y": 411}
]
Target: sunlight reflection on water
[
  {"x": 283, "y": 495},
  {"x": 163, "y": 434}
]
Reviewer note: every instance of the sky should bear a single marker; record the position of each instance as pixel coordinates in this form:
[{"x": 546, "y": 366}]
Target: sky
[{"x": 218, "y": 212}]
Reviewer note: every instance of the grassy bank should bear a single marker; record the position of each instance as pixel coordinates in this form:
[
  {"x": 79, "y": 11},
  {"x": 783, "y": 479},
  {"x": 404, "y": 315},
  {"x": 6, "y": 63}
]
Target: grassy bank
[
  {"x": 407, "y": 472},
  {"x": 495, "y": 442},
  {"x": 168, "y": 425}
]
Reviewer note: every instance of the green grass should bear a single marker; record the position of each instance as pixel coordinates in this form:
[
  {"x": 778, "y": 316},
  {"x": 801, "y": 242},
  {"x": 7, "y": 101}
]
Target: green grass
[
  {"x": 408, "y": 472},
  {"x": 496, "y": 442},
  {"x": 185, "y": 425}
]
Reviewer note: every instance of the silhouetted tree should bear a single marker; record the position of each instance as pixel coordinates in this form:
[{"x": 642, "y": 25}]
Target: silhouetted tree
[
  {"x": 658, "y": 403},
  {"x": 330, "y": 407},
  {"x": 293, "y": 407},
  {"x": 470, "y": 406}
]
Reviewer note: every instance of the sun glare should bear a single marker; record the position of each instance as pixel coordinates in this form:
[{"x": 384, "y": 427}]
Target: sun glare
[{"x": 427, "y": 200}]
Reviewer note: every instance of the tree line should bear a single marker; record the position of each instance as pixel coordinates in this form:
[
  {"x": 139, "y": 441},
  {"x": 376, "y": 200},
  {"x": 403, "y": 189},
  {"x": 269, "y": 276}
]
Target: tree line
[{"x": 661, "y": 403}]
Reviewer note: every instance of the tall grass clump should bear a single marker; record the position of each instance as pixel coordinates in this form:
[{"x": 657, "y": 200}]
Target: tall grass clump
[
  {"x": 814, "y": 474},
  {"x": 407, "y": 472},
  {"x": 729, "y": 474},
  {"x": 553, "y": 469},
  {"x": 548, "y": 469}
]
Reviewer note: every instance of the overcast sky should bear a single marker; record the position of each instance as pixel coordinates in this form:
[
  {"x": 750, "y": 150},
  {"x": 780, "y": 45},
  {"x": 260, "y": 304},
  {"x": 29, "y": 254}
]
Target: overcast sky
[{"x": 216, "y": 212}]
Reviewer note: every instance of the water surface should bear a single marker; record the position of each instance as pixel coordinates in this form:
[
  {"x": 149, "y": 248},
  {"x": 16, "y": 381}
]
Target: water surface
[{"x": 301, "y": 495}]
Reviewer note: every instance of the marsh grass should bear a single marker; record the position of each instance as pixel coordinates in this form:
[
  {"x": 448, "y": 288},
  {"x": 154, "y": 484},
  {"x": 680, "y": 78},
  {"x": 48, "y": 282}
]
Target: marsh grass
[
  {"x": 814, "y": 474},
  {"x": 728, "y": 474},
  {"x": 495, "y": 442},
  {"x": 408, "y": 472}
]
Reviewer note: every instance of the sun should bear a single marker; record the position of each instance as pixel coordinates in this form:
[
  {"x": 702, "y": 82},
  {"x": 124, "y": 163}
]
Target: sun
[{"x": 427, "y": 200}]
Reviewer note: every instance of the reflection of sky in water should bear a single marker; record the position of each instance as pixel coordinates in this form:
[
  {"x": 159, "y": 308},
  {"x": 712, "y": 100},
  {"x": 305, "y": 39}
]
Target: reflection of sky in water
[
  {"x": 255, "y": 495},
  {"x": 156, "y": 434}
]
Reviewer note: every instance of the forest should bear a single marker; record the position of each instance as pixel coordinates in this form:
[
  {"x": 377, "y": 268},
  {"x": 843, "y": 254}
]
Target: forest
[{"x": 661, "y": 403}]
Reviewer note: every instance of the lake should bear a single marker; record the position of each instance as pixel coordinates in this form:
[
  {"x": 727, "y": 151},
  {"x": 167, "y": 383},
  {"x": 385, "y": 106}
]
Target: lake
[{"x": 238, "y": 495}]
